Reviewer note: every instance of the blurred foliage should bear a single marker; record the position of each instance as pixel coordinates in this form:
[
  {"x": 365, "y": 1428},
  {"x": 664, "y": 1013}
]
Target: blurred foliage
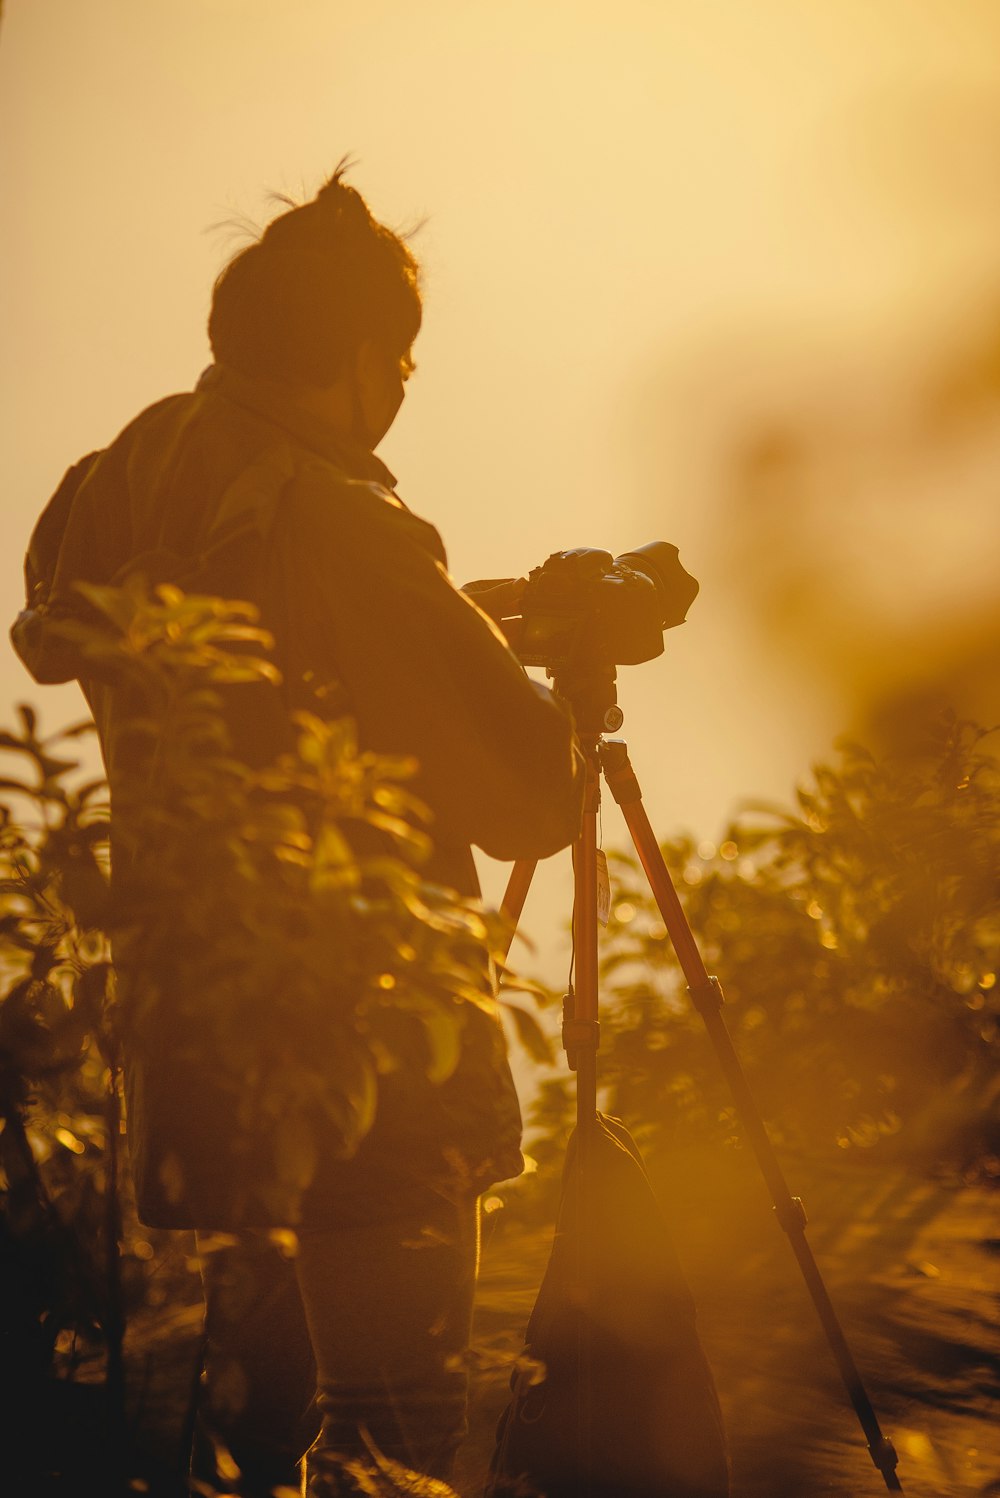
[
  {"x": 857, "y": 940},
  {"x": 305, "y": 968},
  {"x": 56, "y": 1106}
]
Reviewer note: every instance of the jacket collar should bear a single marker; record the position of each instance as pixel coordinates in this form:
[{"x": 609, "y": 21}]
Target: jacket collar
[{"x": 276, "y": 404}]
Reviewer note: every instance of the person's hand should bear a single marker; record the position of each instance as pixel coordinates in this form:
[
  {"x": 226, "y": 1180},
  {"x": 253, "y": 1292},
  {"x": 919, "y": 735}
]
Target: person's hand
[{"x": 500, "y": 597}]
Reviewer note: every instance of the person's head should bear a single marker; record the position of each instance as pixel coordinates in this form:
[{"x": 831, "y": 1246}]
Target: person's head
[{"x": 327, "y": 300}]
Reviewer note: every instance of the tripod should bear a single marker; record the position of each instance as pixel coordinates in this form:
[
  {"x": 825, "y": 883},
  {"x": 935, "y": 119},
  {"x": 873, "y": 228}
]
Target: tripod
[{"x": 581, "y": 1029}]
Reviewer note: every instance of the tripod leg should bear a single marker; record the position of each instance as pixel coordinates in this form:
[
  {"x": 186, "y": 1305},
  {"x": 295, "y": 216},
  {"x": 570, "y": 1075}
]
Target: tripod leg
[
  {"x": 706, "y": 994},
  {"x": 581, "y": 1038},
  {"x": 581, "y": 1030},
  {"x": 515, "y": 895}
]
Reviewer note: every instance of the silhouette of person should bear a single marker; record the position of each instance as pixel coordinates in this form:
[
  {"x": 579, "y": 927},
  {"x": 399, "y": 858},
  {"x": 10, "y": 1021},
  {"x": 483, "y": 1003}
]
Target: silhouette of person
[{"x": 312, "y": 328}]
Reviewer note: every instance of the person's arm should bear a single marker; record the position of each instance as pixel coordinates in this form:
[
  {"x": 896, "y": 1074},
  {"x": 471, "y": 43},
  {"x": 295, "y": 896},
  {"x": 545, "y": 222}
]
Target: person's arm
[{"x": 426, "y": 673}]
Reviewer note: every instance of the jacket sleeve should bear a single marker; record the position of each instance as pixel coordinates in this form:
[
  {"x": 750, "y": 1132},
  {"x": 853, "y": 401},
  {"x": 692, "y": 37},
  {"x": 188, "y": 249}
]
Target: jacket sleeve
[{"x": 367, "y": 602}]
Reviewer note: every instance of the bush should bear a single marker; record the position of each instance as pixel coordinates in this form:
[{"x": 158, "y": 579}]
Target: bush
[
  {"x": 308, "y": 969},
  {"x": 857, "y": 941}
]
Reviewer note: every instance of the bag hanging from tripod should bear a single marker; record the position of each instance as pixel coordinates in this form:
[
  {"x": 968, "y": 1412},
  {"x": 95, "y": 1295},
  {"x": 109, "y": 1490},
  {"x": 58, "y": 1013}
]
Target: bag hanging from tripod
[{"x": 611, "y": 1345}]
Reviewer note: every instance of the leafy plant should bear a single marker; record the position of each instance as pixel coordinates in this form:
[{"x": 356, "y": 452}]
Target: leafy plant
[
  {"x": 62, "y": 1294},
  {"x": 278, "y": 909},
  {"x": 857, "y": 940}
]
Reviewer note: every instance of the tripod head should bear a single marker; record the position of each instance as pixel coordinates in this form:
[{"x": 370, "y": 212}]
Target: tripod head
[{"x": 592, "y": 693}]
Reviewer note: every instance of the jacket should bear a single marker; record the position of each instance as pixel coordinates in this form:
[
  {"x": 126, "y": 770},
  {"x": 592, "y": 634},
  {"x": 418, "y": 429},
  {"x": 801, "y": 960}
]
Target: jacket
[{"x": 233, "y": 489}]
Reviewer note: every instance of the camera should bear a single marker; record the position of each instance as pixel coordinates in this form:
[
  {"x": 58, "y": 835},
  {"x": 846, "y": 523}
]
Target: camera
[
  {"x": 584, "y": 613},
  {"x": 584, "y": 609}
]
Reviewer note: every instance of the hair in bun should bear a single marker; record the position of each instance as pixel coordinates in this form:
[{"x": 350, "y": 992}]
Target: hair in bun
[
  {"x": 324, "y": 276},
  {"x": 337, "y": 199}
]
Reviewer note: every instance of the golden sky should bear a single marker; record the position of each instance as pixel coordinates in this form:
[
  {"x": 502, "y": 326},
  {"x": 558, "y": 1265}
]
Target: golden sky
[{"x": 712, "y": 271}]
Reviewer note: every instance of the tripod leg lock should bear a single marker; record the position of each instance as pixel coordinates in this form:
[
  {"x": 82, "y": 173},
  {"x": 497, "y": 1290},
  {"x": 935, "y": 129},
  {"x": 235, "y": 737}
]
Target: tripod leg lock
[
  {"x": 580, "y": 1035},
  {"x": 883, "y": 1454},
  {"x": 707, "y": 996},
  {"x": 791, "y": 1214},
  {"x": 618, "y": 772}
]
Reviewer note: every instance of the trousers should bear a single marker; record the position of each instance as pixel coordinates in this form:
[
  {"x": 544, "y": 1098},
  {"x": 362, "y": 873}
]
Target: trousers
[{"x": 356, "y": 1343}]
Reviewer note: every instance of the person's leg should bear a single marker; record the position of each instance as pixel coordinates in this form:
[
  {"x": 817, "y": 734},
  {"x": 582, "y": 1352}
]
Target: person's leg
[
  {"x": 259, "y": 1374},
  {"x": 389, "y": 1309}
]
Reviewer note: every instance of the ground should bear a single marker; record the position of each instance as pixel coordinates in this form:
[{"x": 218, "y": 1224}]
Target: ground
[{"x": 913, "y": 1268}]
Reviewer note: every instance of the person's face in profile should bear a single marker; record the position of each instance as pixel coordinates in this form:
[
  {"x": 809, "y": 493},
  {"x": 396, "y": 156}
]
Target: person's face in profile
[{"x": 380, "y": 379}]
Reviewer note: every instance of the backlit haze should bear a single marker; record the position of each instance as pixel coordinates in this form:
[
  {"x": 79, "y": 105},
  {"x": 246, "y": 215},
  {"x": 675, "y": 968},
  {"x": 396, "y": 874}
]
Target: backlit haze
[{"x": 723, "y": 274}]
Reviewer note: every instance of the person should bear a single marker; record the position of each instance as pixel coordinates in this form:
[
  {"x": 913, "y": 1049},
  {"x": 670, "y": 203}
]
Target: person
[{"x": 269, "y": 469}]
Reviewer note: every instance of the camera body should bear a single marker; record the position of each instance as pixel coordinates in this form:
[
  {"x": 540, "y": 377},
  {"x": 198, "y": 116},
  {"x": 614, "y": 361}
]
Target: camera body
[{"x": 584, "y": 609}]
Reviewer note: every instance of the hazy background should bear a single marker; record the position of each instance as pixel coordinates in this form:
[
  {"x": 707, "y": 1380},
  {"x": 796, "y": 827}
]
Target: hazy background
[{"x": 726, "y": 274}]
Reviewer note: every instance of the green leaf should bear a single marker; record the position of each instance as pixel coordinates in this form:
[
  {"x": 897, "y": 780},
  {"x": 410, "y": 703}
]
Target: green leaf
[
  {"x": 442, "y": 1031},
  {"x": 530, "y": 1034},
  {"x": 16, "y": 785}
]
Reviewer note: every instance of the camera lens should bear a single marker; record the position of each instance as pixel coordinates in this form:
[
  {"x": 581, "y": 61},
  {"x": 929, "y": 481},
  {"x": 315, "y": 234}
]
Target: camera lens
[{"x": 676, "y": 589}]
